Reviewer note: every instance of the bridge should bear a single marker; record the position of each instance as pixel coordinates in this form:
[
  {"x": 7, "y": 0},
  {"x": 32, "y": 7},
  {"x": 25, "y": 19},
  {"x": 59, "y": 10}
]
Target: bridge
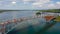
[{"x": 7, "y": 26}]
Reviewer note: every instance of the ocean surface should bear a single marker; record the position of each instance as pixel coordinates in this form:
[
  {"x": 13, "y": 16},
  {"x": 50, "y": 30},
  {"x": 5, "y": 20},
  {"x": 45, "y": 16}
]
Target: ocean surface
[{"x": 32, "y": 26}]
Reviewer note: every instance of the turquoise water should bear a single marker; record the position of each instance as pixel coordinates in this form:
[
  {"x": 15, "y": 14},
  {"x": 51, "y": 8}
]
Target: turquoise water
[
  {"x": 31, "y": 26},
  {"x": 37, "y": 28}
]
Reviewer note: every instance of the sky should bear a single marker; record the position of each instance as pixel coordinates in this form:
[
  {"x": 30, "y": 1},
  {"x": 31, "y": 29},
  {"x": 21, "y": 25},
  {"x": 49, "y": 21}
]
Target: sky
[{"x": 29, "y": 4}]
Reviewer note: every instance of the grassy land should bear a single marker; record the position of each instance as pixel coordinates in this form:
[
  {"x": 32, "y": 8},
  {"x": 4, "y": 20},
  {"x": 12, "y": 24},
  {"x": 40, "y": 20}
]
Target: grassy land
[
  {"x": 51, "y": 10},
  {"x": 57, "y": 19}
]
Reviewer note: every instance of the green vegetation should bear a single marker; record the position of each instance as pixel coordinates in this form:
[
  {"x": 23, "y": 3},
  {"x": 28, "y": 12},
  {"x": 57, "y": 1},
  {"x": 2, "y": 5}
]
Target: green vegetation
[
  {"x": 1, "y": 11},
  {"x": 7, "y": 10},
  {"x": 38, "y": 13},
  {"x": 51, "y": 10},
  {"x": 57, "y": 19}
]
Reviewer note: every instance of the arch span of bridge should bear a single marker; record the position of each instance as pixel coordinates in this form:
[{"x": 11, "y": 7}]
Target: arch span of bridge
[{"x": 11, "y": 24}]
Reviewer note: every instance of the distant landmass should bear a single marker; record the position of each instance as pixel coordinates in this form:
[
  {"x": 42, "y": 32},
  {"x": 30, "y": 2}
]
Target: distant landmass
[{"x": 50, "y": 10}]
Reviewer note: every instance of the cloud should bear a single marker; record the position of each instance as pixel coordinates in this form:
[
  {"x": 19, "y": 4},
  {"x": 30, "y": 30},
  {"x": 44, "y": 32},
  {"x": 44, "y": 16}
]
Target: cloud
[
  {"x": 26, "y": 1},
  {"x": 43, "y": 4},
  {"x": 40, "y": 3},
  {"x": 46, "y": 4},
  {"x": 57, "y": 2},
  {"x": 36, "y": 1},
  {"x": 51, "y": 6},
  {"x": 30, "y": 4},
  {"x": 57, "y": 5},
  {"x": 13, "y": 2}
]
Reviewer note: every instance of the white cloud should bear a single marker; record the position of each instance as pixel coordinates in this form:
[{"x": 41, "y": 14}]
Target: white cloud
[
  {"x": 43, "y": 1},
  {"x": 57, "y": 2},
  {"x": 13, "y": 2},
  {"x": 51, "y": 5},
  {"x": 37, "y": 4},
  {"x": 26, "y": 0},
  {"x": 32, "y": 4},
  {"x": 57, "y": 5},
  {"x": 40, "y": 3},
  {"x": 46, "y": 4}
]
